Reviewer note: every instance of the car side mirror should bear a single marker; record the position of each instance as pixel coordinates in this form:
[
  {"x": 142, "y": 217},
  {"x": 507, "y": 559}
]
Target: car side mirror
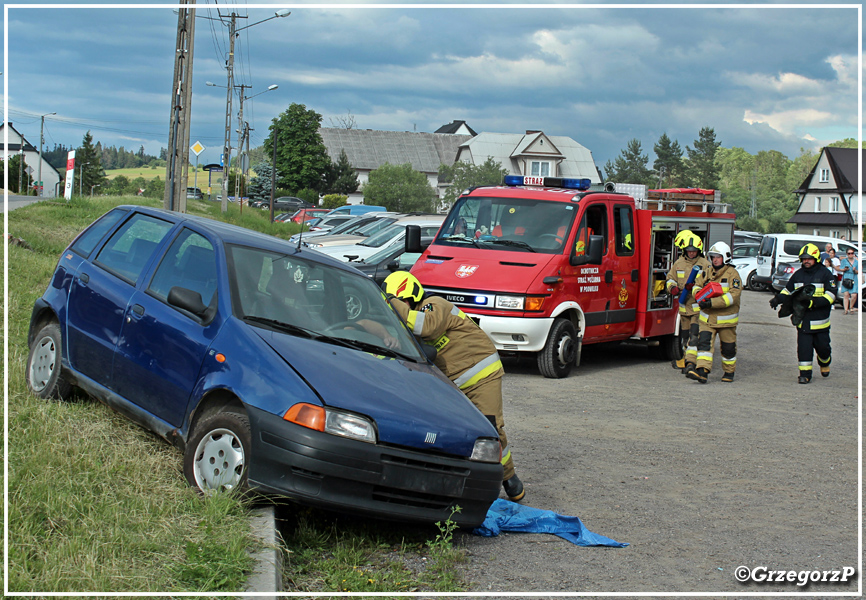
[
  {"x": 413, "y": 239},
  {"x": 187, "y": 300},
  {"x": 593, "y": 254},
  {"x": 393, "y": 265}
]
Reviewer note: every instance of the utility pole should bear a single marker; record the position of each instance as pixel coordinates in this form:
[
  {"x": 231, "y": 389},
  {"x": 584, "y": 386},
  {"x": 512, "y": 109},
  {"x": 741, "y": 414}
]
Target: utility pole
[
  {"x": 227, "y": 148},
  {"x": 39, "y": 168},
  {"x": 240, "y": 140},
  {"x": 178, "y": 151}
]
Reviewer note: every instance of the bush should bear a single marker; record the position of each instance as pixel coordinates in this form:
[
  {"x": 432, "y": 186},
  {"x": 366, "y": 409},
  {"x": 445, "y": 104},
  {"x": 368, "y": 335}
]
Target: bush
[
  {"x": 334, "y": 201},
  {"x": 311, "y": 196}
]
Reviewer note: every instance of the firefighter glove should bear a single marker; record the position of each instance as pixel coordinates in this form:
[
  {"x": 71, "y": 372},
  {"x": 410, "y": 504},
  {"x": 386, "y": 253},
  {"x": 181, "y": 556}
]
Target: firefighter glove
[
  {"x": 674, "y": 291},
  {"x": 689, "y": 286},
  {"x": 775, "y": 301},
  {"x": 705, "y": 303}
]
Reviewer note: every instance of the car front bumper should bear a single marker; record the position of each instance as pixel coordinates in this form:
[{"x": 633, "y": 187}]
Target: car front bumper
[{"x": 347, "y": 475}]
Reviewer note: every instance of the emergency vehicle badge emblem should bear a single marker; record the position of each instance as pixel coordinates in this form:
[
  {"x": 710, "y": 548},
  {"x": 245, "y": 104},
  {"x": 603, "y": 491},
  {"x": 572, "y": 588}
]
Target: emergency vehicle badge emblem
[
  {"x": 623, "y": 295},
  {"x": 465, "y": 270}
]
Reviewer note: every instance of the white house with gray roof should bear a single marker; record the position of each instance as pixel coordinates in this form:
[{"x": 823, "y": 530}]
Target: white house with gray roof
[
  {"x": 368, "y": 149},
  {"x": 532, "y": 153}
]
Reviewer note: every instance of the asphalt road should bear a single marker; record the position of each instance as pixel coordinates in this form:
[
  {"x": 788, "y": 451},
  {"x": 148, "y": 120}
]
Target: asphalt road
[
  {"x": 18, "y": 201},
  {"x": 698, "y": 479}
]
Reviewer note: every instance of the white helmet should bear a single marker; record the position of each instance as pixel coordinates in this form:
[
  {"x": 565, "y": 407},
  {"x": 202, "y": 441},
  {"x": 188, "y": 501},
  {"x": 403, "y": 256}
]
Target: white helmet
[{"x": 723, "y": 249}]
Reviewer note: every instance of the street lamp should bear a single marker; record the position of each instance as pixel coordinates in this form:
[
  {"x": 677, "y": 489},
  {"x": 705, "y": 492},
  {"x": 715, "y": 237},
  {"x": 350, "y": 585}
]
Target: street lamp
[{"x": 91, "y": 189}]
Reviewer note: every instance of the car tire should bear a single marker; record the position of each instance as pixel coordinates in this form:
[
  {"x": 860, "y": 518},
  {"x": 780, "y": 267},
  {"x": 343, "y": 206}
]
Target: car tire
[
  {"x": 44, "y": 371},
  {"x": 558, "y": 356},
  {"x": 754, "y": 285},
  {"x": 669, "y": 348},
  {"x": 218, "y": 452}
]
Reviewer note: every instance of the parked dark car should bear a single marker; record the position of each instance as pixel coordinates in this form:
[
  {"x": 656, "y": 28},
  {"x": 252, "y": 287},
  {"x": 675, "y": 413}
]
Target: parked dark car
[
  {"x": 252, "y": 356},
  {"x": 288, "y": 204},
  {"x": 783, "y": 273},
  {"x": 194, "y": 193},
  {"x": 381, "y": 264}
]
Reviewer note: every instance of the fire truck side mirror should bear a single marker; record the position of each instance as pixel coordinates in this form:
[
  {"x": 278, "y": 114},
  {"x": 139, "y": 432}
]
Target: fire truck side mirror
[
  {"x": 593, "y": 253},
  {"x": 413, "y": 239}
]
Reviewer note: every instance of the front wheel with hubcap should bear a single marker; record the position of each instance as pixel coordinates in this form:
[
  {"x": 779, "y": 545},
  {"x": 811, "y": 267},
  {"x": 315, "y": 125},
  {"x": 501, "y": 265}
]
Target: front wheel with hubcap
[
  {"x": 217, "y": 454},
  {"x": 44, "y": 373},
  {"x": 560, "y": 351},
  {"x": 752, "y": 283}
]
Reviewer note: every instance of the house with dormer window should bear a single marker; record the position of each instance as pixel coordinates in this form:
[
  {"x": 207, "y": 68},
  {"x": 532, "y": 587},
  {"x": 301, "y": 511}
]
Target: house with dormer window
[
  {"x": 828, "y": 196},
  {"x": 531, "y": 153}
]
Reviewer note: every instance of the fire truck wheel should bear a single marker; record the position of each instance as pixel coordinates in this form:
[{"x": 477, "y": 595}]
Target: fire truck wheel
[
  {"x": 558, "y": 355},
  {"x": 669, "y": 348}
]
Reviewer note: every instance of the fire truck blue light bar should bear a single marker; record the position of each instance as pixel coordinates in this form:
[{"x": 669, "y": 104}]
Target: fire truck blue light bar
[{"x": 553, "y": 182}]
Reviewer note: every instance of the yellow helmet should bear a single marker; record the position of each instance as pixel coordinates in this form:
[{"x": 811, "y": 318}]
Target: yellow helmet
[
  {"x": 693, "y": 242},
  {"x": 811, "y": 251},
  {"x": 680, "y": 240},
  {"x": 403, "y": 285}
]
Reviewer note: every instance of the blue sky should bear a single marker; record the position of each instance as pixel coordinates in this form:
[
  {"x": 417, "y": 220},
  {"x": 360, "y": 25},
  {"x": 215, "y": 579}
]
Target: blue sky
[{"x": 765, "y": 77}]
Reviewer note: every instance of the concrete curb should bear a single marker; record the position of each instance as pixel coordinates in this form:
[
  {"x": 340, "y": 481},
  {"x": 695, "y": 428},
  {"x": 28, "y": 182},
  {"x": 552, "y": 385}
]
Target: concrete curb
[{"x": 267, "y": 575}]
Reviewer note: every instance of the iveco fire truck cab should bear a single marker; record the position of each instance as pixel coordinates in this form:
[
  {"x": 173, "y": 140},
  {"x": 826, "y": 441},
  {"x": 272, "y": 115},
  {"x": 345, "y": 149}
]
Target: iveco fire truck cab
[{"x": 546, "y": 265}]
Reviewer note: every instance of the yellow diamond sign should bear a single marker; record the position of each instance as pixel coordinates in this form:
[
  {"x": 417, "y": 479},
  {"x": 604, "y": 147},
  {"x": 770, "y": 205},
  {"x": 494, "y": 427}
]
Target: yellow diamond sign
[{"x": 197, "y": 148}]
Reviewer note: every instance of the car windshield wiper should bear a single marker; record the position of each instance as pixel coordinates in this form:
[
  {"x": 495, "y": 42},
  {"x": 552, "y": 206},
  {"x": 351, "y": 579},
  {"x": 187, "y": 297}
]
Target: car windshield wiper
[
  {"x": 282, "y": 326},
  {"x": 457, "y": 238},
  {"x": 512, "y": 243},
  {"x": 366, "y": 347}
]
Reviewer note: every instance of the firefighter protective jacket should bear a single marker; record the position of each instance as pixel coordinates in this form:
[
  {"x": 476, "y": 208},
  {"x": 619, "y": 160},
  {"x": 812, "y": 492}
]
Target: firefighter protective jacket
[
  {"x": 464, "y": 353},
  {"x": 725, "y": 309},
  {"x": 817, "y": 316},
  {"x": 679, "y": 275}
]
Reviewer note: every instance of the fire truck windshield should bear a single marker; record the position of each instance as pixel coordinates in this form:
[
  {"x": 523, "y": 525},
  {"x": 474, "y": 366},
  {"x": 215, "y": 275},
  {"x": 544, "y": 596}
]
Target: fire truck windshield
[{"x": 513, "y": 224}]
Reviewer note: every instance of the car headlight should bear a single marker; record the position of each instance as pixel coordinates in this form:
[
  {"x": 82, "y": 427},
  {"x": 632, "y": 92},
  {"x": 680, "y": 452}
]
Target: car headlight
[
  {"x": 486, "y": 450},
  {"x": 528, "y": 303},
  {"x": 331, "y": 421}
]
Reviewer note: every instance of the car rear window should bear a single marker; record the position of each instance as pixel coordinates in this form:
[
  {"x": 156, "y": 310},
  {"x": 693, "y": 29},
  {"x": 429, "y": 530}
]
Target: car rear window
[{"x": 88, "y": 240}]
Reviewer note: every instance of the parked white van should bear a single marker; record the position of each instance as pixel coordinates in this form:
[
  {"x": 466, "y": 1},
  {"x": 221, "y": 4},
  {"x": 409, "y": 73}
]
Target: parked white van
[{"x": 785, "y": 247}]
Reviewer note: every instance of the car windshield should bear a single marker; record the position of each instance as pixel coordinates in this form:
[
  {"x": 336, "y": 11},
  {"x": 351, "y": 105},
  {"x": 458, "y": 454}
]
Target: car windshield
[
  {"x": 301, "y": 297},
  {"x": 375, "y": 227},
  {"x": 384, "y": 236},
  {"x": 349, "y": 226},
  {"x": 515, "y": 224}
]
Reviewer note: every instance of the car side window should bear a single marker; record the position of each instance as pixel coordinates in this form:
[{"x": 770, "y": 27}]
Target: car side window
[
  {"x": 594, "y": 222},
  {"x": 189, "y": 263},
  {"x": 88, "y": 240},
  {"x": 622, "y": 223},
  {"x": 408, "y": 259},
  {"x": 131, "y": 246}
]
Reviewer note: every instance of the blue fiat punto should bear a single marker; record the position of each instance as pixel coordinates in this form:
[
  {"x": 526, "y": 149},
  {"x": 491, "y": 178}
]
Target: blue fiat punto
[{"x": 272, "y": 367}]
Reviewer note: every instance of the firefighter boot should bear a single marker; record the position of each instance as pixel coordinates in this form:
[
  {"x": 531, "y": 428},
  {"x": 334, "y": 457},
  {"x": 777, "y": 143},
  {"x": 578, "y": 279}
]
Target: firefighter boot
[
  {"x": 728, "y": 377},
  {"x": 699, "y": 374},
  {"x": 514, "y": 488},
  {"x": 825, "y": 370},
  {"x": 690, "y": 366},
  {"x": 803, "y": 379},
  {"x": 679, "y": 364}
]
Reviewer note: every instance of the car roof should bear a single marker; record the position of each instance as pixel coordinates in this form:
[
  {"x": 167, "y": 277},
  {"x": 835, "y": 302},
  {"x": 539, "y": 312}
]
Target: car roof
[{"x": 235, "y": 234}]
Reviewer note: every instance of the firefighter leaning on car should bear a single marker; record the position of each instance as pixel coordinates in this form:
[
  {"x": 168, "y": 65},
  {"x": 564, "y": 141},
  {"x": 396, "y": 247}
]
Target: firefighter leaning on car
[
  {"x": 719, "y": 313},
  {"x": 809, "y": 296},
  {"x": 677, "y": 281},
  {"x": 464, "y": 353}
]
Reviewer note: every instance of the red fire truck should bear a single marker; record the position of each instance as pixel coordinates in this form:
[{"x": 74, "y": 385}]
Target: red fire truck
[{"x": 546, "y": 266}]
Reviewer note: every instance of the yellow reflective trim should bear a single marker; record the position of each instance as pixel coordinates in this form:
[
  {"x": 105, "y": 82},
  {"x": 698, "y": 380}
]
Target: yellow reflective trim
[
  {"x": 728, "y": 318},
  {"x": 483, "y": 369},
  {"x": 728, "y": 299}
]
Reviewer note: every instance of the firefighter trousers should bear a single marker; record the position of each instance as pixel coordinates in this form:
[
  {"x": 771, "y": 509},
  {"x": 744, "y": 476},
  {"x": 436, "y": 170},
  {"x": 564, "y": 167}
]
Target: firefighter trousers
[
  {"x": 707, "y": 341},
  {"x": 689, "y": 328},
  {"x": 486, "y": 395},
  {"x": 806, "y": 342}
]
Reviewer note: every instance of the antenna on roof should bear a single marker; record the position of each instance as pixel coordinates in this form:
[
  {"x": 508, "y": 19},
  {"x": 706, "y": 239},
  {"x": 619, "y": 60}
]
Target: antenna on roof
[{"x": 301, "y": 234}]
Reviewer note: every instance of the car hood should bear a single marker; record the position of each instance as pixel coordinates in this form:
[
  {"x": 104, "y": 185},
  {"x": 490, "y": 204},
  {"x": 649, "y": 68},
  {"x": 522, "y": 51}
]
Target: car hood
[
  {"x": 482, "y": 271},
  {"x": 407, "y": 400}
]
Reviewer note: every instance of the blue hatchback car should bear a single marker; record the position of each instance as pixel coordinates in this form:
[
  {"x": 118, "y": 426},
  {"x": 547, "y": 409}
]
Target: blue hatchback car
[{"x": 272, "y": 367}]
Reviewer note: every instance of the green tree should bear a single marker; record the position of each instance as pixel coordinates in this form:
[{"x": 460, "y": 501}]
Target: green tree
[
  {"x": 462, "y": 175},
  {"x": 702, "y": 169},
  {"x": 399, "y": 188},
  {"x": 332, "y": 201},
  {"x": 747, "y": 223},
  {"x": 668, "y": 165},
  {"x": 630, "y": 166},
  {"x": 340, "y": 177},
  {"x": 260, "y": 186},
  {"x": 119, "y": 186},
  {"x": 302, "y": 159},
  {"x": 19, "y": 181},
  {"x": 799, "y": 169},
  {"x": 154, "y": 188},
  {"x": 88, "y": 166},
  {"x": 846, "y": 143}
]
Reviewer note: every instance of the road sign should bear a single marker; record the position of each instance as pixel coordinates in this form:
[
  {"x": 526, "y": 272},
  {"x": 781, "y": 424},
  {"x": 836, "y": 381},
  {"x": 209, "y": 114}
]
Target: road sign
[{"x": 197, "y": 148}]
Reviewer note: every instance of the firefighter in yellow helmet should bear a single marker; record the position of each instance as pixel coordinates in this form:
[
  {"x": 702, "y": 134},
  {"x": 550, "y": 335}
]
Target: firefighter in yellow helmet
[
  {"x": 677, "y": 281},
  {"x": 719, "y": 313},
  {"x": 816, "y": 289},
  {"x": 464, "y": 354}
]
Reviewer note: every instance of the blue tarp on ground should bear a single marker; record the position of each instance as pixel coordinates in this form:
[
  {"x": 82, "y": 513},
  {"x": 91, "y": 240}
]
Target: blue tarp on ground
[{"x": 504, "y": 515}]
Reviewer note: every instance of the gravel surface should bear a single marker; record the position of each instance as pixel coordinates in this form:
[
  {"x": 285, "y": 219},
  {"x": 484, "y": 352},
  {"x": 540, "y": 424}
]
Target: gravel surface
[{"x": 698, "y": 479}]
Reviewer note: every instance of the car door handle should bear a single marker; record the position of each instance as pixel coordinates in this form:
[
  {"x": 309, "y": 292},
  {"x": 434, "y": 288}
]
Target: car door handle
[
  {"x": 84, "y": 278},
  {"x": 137, "y": 310}
]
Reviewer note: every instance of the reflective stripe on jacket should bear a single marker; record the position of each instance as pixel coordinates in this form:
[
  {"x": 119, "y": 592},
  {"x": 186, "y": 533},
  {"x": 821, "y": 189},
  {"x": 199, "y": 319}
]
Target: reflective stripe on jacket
[
  {"x": 817, "y": 317},
  {"x": 679, "y": 275},
  {"x": 725, "y": 309}
]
